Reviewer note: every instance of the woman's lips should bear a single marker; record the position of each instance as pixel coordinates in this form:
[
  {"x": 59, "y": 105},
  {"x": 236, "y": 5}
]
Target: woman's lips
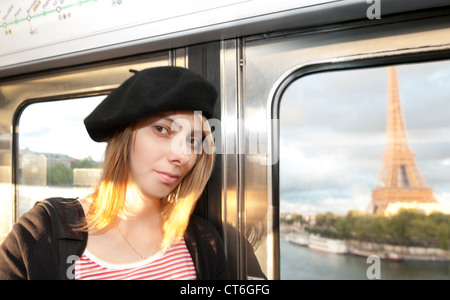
[{"x": 167, "y": 178}]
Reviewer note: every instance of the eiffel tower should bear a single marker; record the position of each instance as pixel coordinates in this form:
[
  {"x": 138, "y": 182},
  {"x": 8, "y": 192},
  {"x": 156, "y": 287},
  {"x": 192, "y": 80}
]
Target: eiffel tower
[{"x": 400, "y": 179}]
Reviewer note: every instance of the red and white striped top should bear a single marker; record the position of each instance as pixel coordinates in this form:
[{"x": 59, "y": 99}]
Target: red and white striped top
[{"x": 175, "y": 263}]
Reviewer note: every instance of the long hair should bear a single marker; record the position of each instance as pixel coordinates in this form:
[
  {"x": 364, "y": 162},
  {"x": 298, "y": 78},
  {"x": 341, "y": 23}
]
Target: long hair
[{"x": 108, "y": 199}]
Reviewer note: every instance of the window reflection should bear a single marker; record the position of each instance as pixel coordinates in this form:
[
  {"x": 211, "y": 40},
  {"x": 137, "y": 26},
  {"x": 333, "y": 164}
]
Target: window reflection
[
  {"x": 363, "y": 175},
  {"x": 57, "y": 158}
]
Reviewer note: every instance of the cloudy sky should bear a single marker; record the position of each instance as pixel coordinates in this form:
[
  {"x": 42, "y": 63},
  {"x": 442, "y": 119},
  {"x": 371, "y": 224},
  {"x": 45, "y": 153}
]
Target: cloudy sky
[
  {"x": 57, "y": 127},
  {"x": 333, "y": 134}
]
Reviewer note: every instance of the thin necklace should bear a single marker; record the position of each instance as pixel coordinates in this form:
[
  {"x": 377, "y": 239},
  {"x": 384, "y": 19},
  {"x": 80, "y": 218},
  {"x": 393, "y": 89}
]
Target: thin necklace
[{"x": 131, "y": 246}]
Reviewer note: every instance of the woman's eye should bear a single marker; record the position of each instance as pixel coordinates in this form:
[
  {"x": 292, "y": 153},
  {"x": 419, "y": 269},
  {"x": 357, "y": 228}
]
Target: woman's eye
[
  {"x": 194, "y": 142},
  {"x": 161, "y": 129}
]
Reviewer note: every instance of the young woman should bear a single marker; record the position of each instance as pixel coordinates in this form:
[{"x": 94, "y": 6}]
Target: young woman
[{"x": 138, "y": 223}]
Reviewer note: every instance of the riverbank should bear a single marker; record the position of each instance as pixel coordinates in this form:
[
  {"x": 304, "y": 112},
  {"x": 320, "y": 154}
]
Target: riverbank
[{"x": 297, "y": 236}]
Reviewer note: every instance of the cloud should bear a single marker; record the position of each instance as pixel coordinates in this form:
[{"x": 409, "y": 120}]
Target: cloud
[{"x": 57, "y": 127}]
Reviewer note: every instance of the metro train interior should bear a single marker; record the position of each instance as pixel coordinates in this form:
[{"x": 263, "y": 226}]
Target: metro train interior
[{"x": 306, "y": 112}]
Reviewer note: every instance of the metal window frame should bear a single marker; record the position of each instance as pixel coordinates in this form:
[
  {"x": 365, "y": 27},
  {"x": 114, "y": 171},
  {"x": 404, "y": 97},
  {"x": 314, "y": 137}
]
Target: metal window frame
[{"x": 255, "y": 73}]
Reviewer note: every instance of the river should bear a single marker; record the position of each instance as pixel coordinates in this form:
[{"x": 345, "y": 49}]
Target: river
[{"x": 300, "y": 262}]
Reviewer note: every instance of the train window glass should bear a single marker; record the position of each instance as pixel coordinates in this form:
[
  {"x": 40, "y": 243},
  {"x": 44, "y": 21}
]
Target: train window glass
[
  {"x": 365, "y": 174},
  {"x": 56, "y": 156}
]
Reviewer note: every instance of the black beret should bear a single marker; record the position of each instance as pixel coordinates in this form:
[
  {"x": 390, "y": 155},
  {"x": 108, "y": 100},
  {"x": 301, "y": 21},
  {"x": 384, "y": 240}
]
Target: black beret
[{"x": 147, "y": 92}]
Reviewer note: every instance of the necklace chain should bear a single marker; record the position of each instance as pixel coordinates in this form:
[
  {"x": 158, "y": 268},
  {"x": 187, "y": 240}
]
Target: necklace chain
[{"x": 131, "y": 246}]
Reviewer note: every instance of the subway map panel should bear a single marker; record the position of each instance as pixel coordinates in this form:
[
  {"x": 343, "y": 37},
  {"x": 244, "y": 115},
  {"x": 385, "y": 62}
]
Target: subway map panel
[
  {"x": 31, "y": 30},
  {"x": 30, "y": 24}
]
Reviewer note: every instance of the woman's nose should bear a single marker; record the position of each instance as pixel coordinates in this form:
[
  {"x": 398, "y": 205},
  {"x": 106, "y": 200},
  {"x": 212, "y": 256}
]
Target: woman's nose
[{"x": 178, "y": 158}]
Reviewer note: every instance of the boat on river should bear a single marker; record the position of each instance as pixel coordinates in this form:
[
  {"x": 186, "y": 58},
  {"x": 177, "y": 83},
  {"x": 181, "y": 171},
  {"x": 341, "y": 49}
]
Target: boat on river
[{"x": 317, "y": 242}]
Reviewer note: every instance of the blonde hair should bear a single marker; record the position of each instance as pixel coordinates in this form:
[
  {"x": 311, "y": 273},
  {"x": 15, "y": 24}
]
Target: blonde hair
[{"x": 108, "y": 199}]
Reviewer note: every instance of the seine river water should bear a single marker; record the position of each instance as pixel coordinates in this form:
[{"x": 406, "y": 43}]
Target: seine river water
[{"x": 299, "y": 262}]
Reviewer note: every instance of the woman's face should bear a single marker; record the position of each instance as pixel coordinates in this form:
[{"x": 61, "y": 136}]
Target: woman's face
[{"x": 164, "y": 149}]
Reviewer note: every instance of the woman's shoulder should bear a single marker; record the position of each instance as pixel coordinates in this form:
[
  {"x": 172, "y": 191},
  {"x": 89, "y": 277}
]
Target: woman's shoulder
[
  {"x": 60, "y": 202},
  {"x": 33, "y": 224},
  {"x": 204, "y": 232},
  {"x": 200, "y": 224},
  {"x": 67, "y": 215},
  {"x": 51, "y": 212}
]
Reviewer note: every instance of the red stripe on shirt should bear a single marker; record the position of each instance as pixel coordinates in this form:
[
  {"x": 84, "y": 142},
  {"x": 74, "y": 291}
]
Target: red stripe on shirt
[{"x": 175, "y": 263}]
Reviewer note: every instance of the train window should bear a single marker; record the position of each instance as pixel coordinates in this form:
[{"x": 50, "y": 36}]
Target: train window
[
  {"x": 56, "y": 157},
  {"x": 365, "y": 174}
]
